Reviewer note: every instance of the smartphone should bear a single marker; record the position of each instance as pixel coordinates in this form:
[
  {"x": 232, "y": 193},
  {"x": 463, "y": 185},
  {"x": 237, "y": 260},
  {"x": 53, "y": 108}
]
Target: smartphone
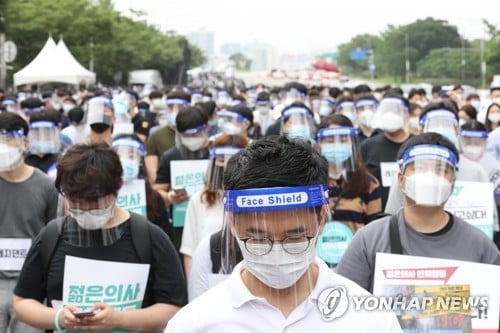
[
  {"x": 81, "y": 314},
  {"x": 179, "y": 191}
]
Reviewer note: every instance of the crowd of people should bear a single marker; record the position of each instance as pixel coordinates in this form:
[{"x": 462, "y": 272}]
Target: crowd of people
[{"x": 288, "y": 169}]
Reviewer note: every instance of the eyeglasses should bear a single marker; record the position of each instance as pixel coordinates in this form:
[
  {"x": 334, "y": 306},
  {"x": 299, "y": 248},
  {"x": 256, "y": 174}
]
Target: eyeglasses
[{"x": 291, "y": 245}]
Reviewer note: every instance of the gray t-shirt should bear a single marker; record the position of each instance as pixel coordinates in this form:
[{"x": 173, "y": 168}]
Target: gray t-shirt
[
  {"x": 25, "y": 208},
  {"x": 461, "y": 242}
]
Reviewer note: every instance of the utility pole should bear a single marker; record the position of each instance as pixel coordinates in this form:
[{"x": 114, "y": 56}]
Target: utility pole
[
  {"x": 407, "y": 55},
  {"x": 91, "y": 61},
  {"x": 3, "y": 63},
  {"x": 462, "y": 66}
]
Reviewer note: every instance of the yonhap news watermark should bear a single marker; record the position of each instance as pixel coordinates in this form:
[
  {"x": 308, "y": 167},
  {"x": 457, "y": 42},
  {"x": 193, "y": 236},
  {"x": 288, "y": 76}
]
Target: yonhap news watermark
[{"x": 334, "y": 302}]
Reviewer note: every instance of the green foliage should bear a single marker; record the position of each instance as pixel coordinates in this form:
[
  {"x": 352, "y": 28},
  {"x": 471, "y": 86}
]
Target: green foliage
[
  {"x": 240, "y": 62},
  {"x": 120, "y": 44},
  {"x": 447, "y": 63},
  {"x": 365, "y": 41}
]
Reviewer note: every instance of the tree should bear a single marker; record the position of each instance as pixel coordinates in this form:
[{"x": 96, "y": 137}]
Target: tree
[
  {"x": 446, "y": 63},
  {"x": 240, "y": 62},
  {"x": 364, "y": 41}
]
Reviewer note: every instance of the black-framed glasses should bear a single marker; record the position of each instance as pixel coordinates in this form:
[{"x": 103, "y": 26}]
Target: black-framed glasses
[{"x": 291, "y": 245}]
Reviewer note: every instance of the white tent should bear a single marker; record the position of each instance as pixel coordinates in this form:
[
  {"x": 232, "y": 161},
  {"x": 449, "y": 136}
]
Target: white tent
[{"x": 54, "y": 63}]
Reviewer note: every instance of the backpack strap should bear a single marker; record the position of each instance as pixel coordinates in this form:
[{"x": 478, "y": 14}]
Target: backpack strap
[
  {"x": 141, "y": 238},
  {"x": 49, "y": 242},
  {"x": 215, "y": 251},
  {"x": 395, "y": 239}
]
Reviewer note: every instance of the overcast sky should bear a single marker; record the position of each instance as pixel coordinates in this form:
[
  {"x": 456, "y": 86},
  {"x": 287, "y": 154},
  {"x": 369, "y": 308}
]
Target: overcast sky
[{"x": 295, "y": 26}]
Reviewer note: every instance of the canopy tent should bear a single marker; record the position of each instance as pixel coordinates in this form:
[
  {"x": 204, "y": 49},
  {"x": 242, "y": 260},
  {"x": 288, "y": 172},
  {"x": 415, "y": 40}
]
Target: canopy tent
[{"x": 54, "y": 63}]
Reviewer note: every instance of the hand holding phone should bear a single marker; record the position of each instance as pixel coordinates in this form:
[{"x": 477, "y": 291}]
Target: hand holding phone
[
  {"x": 180, "y": 191},
  {"x": 82, "y": 314}
]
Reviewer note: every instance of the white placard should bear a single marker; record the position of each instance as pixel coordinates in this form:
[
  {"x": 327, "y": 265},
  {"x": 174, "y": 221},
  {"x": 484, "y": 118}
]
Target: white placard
[
  {"x": 13, "y": 252},
  {"x": 132, "y": 196},
  {"x": 388, "y": 170},
  {"x": 87, "y": 282},
  {"x": 188, "y": 174},
  {"x": 474, "y": 202},
  {"x": 441, "y": 278}
]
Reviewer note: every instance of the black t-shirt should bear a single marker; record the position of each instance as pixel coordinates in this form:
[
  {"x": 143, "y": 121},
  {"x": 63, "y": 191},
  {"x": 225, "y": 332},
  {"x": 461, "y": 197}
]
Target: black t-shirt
[
  {"x": 379, "y": 149},
  {"x": 167, "y": 284},
  {"x": 274, "y": 128},
  {"x": 42, "y": 163},
  {"x": 141, "y": 124}
]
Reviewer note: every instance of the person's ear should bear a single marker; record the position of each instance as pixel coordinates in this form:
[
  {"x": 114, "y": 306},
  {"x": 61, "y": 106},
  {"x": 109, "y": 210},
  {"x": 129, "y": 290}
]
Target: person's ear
[
  {"x": 26, "y": 145},
  {"x": 400, "y": 179}
]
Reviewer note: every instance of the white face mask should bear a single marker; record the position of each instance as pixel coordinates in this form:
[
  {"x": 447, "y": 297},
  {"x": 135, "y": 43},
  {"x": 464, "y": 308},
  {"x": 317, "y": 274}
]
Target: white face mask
[
  {"x": 193, "y": 144},
  {"x": 92, "y": 219},
  {"x": 494, "y": 117},
  {"x": 427, "y": 189},
  {"x": 366, "y": 118},
  {"x": 476, "y": 104},
  {"x": 278, "y": 269},
  {"x": 473, "y": 152},
  {"x": 414, "y": 122},
  {"x": 231, "y": 129},
  {"x": 391, "y": 122},
  {"x": 461, "y": 122},
  {"x": 158, "y": 103},
  {"x": 9, "y": 157},
  {"x": 496, "y": 100},
  {"x": 263, "y": 110}
]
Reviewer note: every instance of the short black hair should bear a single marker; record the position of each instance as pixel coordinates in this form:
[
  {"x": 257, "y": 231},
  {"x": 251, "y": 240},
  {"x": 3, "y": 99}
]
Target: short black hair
[
  {"x": 297, "y": 86},
  {"x": 208, "y": 107},
  {"x": 243, "y": 110},
  {"x": 179, "y": 94},
  {"x": 134, "y": 95},
  {"x": 44, "y": 115},
  {"x": 98, "y": 162},
  {"x": 436, "y": 89},
  {"x": 444, "y": 104},
  {"x": 362, "y": 88},
  {"x": 429, "y": 138},
  {"x": 335, "y": 119},
  {"x": 31, "y": 103},
  {"x": 473, "y": 125},
  {"x": 263, "y": 96},
  {"x": 413, "y": 92},
  {"x": 469, "y": 110},
  {"x": 275, "y": 161},
  {"x": 190, "y": 117},
  {"x": 10, "y": 121},
  {"x": 155, "y": 94},
  {"x": 76, "y": 114}
]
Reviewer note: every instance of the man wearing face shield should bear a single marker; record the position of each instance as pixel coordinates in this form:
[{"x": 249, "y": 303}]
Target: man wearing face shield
[
  {"x": 28, "y": 202},
  {"x": 275, "y": 207},
  {"x": 191, "y": 144},
  {"x": 366, "y": 106},
  {"x": 100, "y": 118},
  {"x": 164, "y": 137},
  {"x": 440, "y": 118},
  {"x": 97, "y": 229},
  {"x": 345, "y": 106},
  {"x": 292, "y": 92},
  {"x": 204, "y": 214},
  {"x": 380, "y": 150},
  {"x": 44, "y": 138},
  {"x": 297, "y": 122},
  {"x": 236, "y": 120},
  {"x": 428, "y": 164},
  {"x": 262, "y": 114}
]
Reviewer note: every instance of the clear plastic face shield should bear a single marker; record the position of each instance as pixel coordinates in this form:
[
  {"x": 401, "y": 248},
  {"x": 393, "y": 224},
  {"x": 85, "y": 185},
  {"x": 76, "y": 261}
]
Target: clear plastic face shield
[
  {"x": 315, "y": 105},
  {"x": 100, "y": 111},
  {"x": 131, "y": 153},
  {"x": 88, "y": 223},
  {"x": 263, "y": 107},
  {"x": 218, "y": 160},
  {"x": 44, "y": 138},
  {"x": 391, "y": 115},
  {"x": 427, "y": 174},
  {"x": 192, "y": 140},
  {"x": 11, "y": 149},
  {"x": 326, "y": 107},
  {"x": 10, "y": 105},
  {"x": 276, "y": 231},
  {"x": 473, "y": 143},
  {"x": 339, "y": 146},
  {"x": 173, "y": 106},
  {"x": 196, "y": 98},
  {"x": 223, "y": 99},
  {"x": 293, "y": 95},
  {"x": 443, "y": 122},
  {"x": 231, "y": 123},
  {"x": 365, "y": 110},
  {"x": 298, "y": 123},
  {"x": 347, "y": 109}
]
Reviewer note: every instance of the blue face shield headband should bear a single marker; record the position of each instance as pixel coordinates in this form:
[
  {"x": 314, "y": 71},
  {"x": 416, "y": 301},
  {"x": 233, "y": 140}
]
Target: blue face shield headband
[
  {"x": 224, "y": 151},
  {"x": 275, "y": 198},
  {"x": 428, "y": 151},
  {"x": 126, "y": 142},
  {"x": 474, "y": 134},
  {"x": 337, "y": 132},
  {"x": 193, "y": 131},
  {"x": 438, "y": 114}
]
